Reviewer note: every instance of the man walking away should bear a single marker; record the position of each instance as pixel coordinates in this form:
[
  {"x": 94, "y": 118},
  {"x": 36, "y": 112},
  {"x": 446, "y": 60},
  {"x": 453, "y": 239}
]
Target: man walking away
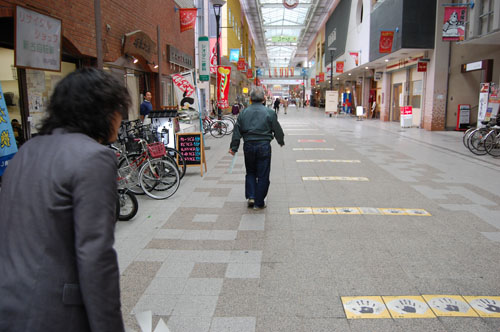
[
  {"x": 277, "y": 105},
  {"x": 285, "y": 104},
  {"x": 258, "y": 125}
]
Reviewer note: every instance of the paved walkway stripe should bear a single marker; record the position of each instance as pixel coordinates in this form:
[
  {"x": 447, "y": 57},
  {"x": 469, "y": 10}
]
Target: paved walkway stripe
[
  {"x": 360, "y": 210},
  {"x": 408, "y": 307},
  {"x": 364, "y": 307},
  {"x": 485, "y": 306},
  {"x": 326, "y": 161},
  {"x": 333, "y": 178},
  {"x": 449, "y": 306},
  {"x": 313, "y": 149}
]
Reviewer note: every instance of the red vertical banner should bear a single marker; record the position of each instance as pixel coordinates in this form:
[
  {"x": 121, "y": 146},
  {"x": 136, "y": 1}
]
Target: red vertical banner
[
  {"x": 422, "y": 66},
  {"x": 270, "y": 73},
  {"x": 321, "y": 77},
  {"x": 249, "y": 73},
  {"x": 241, "y": 64},
  {"x": 187, "y": 18},
  {"x": 339, "y": 67},
  {"x": 355, "y": 56},
  {"x": 275, "y": 72},
  {"x": 454, "y": 23},
  {"x": 292, "y": 71},
  {"x": 385, "y": 44},
  {"x": 281, "y": 72},
  {"x": 313, "y": 82},
  {"x": 223, "y": 79},
  {"x": 213, "y": 55}
]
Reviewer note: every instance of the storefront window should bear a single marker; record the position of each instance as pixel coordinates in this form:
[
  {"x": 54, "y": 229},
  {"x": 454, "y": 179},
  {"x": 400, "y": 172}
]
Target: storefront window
[
  {"x": 10, "y": 87},
  {"x": 416, "y": 94}
]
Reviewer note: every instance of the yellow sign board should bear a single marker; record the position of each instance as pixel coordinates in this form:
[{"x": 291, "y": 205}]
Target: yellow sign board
[
  {"x": 245, "y": 90},
  {"x": 408, "y": 307},
  {"x": 485, "y": 306},
  {"x": 364, "y": 307},
  {"x": 449, "y": 305}
]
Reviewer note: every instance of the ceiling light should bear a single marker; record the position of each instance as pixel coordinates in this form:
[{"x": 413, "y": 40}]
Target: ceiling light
[
  {"x": 135, "y": 59},
  {"x": 338, "y": 78},
  {"x": 366, "y": 67},
  {"x": 386, "y": 60},
  {"x": 349, "y": 74}
]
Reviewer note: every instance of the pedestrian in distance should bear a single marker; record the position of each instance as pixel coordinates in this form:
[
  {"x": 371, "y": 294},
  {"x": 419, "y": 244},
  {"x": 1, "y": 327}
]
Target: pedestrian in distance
[
  {"x": 277, "y": 105},
  {"x": 146, "y": 106},
  {"x": 285, "y": 104},
  {"x": 257, "y": 125},
  {"x": 58, "y": 269}
]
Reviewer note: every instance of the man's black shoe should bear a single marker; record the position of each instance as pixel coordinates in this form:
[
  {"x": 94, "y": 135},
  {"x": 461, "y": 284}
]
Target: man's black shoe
[{"x": 251, "y": 202}]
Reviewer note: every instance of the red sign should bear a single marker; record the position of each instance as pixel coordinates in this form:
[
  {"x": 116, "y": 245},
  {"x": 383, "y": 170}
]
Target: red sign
[
  {"x": 313, "y": 82},
  {"x": 321, "y": 77},
  {"x": 422, "y": 66},
  {"x": 355, "y": 56},
  {"x": 223, "y": 78},
  {"x": 339, "y": 67},
  {"x": 406, "y": 110},
  {"x": 241, "y": 64},
  {"x": 213, "y": 55},
  {"x": 249, "y": 73},
  {"x": 188, "y": 18},
  {"x": 385, "y": 44},
  {"x": 454, "y": 23}
]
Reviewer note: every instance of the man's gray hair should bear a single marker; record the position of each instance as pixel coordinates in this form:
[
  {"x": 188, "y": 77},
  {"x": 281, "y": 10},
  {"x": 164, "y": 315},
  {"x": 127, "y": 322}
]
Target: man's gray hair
[{"x": 257, "y": 94}]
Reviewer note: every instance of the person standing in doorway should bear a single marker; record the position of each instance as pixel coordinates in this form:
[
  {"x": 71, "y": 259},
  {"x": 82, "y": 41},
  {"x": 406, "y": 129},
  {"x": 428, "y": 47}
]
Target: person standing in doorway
[
  {"x": 277, "y": 105},
  {"x": 146, "y": 106},
  {"x": 58, "y": 268},
  {"x": 257, "y": 125}
]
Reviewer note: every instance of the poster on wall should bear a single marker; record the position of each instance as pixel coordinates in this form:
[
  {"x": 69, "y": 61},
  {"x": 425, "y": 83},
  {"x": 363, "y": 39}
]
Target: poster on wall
[
  {"x": 8, "y": 146},
  {"x": 185, "y": 92},
  {"x": 223, "y": 79},
  {"x": 38, "y": 40},
  {"x": 454, "y": 23}
]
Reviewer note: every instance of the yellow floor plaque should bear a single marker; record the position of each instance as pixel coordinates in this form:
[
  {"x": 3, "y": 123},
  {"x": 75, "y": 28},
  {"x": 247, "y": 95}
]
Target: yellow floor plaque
[
  {"x": 394, "y": 212},
  {"x": 417, "y": 212},
  {"x": 449, "y": 305},
  {"x": 365, "y": 307},
  {"x": 324, "y": 210},
  {"x": 301, "y": 210},
  {"x": 408, "y": 307},
  {"x": 485, "y": 306},
  {"x": 347, "y": 210},
  {"x": 369, "y": 210}
]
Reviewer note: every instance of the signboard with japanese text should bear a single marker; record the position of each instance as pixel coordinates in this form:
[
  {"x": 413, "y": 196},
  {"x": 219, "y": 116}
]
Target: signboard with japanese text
[
  {"x": 204, "y": 57},
  {"x": 8, "y": 146},
  {"x": 463, "y": 117},
  {"x": 185, "y": 91},
  {"x": 454, "y": 23},
  {"x": 187, "y": 18},
  {"x": 331, "y": 101},
  {"x": 223, "y": 79},
  {"x": 422, "y": 66},
  {"x": 213, "y": 55},
  {"x": 482, "y": 108},
  {"x": 355, "y": 56},
  {"x": 191, "y": 147},
  {"x": 37, "y": 40},
  {"x": 179, "y": 58},
  {"x": 138, "y": 43}
]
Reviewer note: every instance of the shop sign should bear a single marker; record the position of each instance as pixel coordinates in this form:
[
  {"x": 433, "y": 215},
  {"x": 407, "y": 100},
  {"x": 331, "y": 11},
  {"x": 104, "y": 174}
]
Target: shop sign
[
  {"x": 249, "y": 73},
  {"x": 241, "y": 64},
  {"x": 422, "y": 66},
  {"x": 339, "y": 67},
  {"x": 187, "y": 18},
  {"x": 179, "y": 58},
  {"x": 8, "y": 147},
  {"x": 284, "y": 39},
  {"x": 185, "y": 90},
  {"x": 137, "y": 43},
  {"x": 378, "y": 76},
  {"x": 385, "y": 43},
  {"x": 234, "y": 54},
  {"x": 204, "y": 57},
  {"x": 463, "y": 118},
  {"x": 454, "y": 23},
  {"x": 245, "y": 90},
  {"x": 321, "y": 77},
  {"x": 38, "y": 40},
  {"x": 223, "y": 80}
]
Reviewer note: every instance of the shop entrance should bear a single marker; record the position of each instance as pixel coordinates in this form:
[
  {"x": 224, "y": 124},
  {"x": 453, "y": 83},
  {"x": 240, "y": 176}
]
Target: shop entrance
[{"x": 397, "y": 90}]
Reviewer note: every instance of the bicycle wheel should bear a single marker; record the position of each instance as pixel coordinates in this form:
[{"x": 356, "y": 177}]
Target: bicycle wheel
[
  {"x": 465, "y": 138},
  {"x": 229, "y": 121},
  {"x": 178, "y": 159},
  {"x": 129, "y": 159},
  {"x": 476, "y": 141},
  {"x": 218, "y": 129},
  {"x": 159, "y": 178},
  {"x": 128, "y": 205},
  {"x": 492, "y": 144}
]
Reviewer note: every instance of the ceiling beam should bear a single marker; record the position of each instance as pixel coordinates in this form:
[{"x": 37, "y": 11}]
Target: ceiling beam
[{"x": 267, "y": 26}]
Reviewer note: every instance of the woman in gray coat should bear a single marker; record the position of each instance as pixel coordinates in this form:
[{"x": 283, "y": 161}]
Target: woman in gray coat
[{"x": 58, "y": 268}]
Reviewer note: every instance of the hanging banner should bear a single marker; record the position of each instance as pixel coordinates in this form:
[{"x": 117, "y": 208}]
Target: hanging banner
[
  {"x": 281, "y": 72},
  {"x": 484, "y": 95},
  {"x": 339, "y": 66},
  {"x": 313, "y": 82},
  {"x": 241, "y": 64},
  {"x": 213, "y": 55},
  {"x": 8, "y": 146},
  {"x": 292, "y": 71},
  {"x": 249, "y": 73},
  {"x": 454, "y": 23},
  {"x": 204, "y": 58},
  {"x": 321, "y": 77},
  {"x": 355, "y": 56},
  {"x": 185, "y": 91},
  {"x": 270, "y": 73},
  {"x": 187, "y": 18},
  {"x": 223, "y": 79},
  {"x": 275, "y": 72},
  {"x": 385, "y": 44},
  {"x": 38, "y": 40}
]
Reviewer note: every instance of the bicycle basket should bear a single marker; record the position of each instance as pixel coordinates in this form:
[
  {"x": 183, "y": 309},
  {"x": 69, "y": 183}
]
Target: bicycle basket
[
  {"x": 157, "y": 150},
  {"x": 127, "y": 177}
]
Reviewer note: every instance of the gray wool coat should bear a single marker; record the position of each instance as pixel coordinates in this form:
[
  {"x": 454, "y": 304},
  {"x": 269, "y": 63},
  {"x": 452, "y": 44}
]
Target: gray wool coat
[{"x": 58, "y": 268}]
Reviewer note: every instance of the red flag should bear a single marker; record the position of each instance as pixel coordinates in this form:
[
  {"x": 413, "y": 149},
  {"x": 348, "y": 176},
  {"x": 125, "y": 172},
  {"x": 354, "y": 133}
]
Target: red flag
[
  {"x": 454, "y": 23},
  {"x": 355, "y": 56},
  {"x": 313, "y": 82},
  {"x": 339, "y": 67},
  {"x": 281, "y": 72},
  {"x": 188, "y": 18},
  {"x": 321, "y": 77},
  {"x": 270, "y": 72},
  {"x": 213, "y": 55},
  {"x": 249, "y": 73},
  {"x": 292, "y": 71},
  {"x": 385, "y": 44},
  {"x": 223, "y": 78},
  {"x": 276, "y": 72}
]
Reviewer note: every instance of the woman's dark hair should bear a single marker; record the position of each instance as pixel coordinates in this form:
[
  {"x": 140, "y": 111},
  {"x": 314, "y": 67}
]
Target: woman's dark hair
[{"x": 85, "y": 102}]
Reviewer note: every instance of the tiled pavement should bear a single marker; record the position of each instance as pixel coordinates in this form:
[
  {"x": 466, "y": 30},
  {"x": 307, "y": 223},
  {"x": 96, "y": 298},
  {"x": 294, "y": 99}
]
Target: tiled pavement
[{"x": 203, "y": 262}]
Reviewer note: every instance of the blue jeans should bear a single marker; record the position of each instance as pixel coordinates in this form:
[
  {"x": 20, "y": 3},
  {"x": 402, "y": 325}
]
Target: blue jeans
[{"x": 258, "y": 166}]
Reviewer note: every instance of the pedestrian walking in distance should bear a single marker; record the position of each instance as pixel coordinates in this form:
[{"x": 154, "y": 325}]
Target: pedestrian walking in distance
[
  {"x": 257, "y": 125},
  {"x": 58, "y": 269},
  {"x": 277, "y": 103}
]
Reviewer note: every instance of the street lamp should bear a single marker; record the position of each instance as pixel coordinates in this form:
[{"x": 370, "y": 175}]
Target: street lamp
[
  {"x": 332, "y": 51},
  {"x": 217, "y": 4}
]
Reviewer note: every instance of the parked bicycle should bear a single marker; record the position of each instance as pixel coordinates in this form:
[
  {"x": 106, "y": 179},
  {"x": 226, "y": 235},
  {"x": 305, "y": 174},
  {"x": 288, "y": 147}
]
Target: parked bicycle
[{"x": 217, "y": 128}]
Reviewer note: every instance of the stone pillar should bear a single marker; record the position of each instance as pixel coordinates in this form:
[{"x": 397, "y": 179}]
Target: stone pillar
[
  {"x": 385, "y": 106},
  {"x": 436, "y": 90}
]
